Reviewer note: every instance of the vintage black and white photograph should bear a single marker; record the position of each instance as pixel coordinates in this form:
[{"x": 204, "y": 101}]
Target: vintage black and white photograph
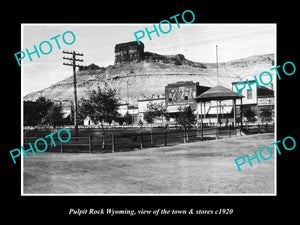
[{"x": 149, "y": 108}]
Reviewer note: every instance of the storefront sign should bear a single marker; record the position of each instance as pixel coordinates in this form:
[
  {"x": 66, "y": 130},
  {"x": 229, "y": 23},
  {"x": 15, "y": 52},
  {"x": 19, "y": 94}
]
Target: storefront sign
[{"x": 265, "y": 101}]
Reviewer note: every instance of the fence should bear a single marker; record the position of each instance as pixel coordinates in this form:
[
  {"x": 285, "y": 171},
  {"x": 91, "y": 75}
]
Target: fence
[
  {"x": 117, "y": 141},
  {"x": 258, "y": 128},
  {"x": 76, "y": 144}
]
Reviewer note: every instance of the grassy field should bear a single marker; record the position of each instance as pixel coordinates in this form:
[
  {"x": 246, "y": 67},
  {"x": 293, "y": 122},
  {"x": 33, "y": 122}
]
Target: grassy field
[{"x": 206, "y": 167}]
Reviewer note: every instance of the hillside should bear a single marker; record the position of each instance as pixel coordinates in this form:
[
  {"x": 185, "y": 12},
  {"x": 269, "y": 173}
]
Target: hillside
[{"x": 148, "y": 73}]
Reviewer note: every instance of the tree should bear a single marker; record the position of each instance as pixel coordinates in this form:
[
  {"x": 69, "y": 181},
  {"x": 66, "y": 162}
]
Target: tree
[
  {"x": 35, "y": 111},
  {"x": 128, "y": 119},
  {"x": 266, "y": 114},
  {"x": 154, "y": 110},
  {"x": 149, "y": 117},
  {"x": 249, "y": 114},
  {"x": 101, "y": 106},
  {"x": 120, "y": 120},
  {"x": 31, "y": 115},
  {"x": 43, "y": 106},
  {"x": 54, "y": 116},
  {"x": 140, "y": 123},
  {"x": 186, "y": 118}
]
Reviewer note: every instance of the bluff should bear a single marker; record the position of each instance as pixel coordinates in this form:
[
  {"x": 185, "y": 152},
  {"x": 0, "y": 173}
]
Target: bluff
[
  {"x": 136, "y": 73},
  {"x": 129, "y": 52},
  {"x": 133, "y": 52}
]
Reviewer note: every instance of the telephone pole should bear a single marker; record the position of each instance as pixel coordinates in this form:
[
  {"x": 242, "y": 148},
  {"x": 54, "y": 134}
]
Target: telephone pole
[
  {"x": 217, "y": 64},
  {"x": 128, "y": 93},
  {"x": 73, "y": 64}
]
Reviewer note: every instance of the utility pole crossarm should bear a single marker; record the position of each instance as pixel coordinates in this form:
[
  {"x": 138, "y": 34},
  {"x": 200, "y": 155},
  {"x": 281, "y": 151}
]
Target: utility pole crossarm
[
  {"x": 67, "y": 64},
  {"x": 66, "y": 52},
  {"x": 73, "y": 53},
  {"x": 67, "y": 58}
]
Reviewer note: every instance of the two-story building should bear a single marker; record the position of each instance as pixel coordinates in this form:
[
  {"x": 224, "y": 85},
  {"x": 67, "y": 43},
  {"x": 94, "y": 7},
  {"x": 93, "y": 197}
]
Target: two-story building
[
  {"x": 182, "y": 94},
  {"x": 258, "y": 104}
]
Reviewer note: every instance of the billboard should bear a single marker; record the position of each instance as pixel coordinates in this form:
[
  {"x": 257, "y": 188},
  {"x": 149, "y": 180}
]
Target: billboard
[{"x": 180, "y": 93}]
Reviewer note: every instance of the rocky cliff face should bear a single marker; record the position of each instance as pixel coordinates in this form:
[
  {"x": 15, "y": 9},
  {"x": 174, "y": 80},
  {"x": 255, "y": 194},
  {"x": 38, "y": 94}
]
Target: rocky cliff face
[
  {"x": 129, "y": 52},
  {"x": 133, "y": 52}
]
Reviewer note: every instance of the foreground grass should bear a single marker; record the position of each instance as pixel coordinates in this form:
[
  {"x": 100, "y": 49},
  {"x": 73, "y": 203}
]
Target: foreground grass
[{"x": 194, "y": 168}]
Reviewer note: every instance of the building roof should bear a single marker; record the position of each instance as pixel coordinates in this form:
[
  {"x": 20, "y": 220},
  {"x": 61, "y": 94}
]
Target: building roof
[
  {"x": 217, "y": 93},
  {"x": 264, "y": 91},
  {"x": 182, "y": 83},
  {"x": 153, "y": 98}
]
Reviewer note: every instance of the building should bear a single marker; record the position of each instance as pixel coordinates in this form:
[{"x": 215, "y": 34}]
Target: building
[
  {"x": 88, "y": 122},
  {"x": 182, "y": 94},
  {"x": 123, "y": 109},
  {"x": 133, "y": 111},
  {"x": 258, "y": 104}
]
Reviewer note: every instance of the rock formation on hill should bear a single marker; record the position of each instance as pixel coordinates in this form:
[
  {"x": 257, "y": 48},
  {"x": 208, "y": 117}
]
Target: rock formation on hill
[
  {"x": 129, "y": 52},
  {"x": 132, "y": 52}
]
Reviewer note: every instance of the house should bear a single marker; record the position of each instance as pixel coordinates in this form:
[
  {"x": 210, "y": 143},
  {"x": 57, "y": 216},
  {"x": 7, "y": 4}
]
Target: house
[{"x": 88, "y": 122}]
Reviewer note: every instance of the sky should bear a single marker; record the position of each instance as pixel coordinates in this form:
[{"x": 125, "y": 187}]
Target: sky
[{"x": 197, "y": 42}]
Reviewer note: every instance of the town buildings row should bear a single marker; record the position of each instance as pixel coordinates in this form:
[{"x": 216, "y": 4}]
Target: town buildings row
[{"x": 212, "y": 105}]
